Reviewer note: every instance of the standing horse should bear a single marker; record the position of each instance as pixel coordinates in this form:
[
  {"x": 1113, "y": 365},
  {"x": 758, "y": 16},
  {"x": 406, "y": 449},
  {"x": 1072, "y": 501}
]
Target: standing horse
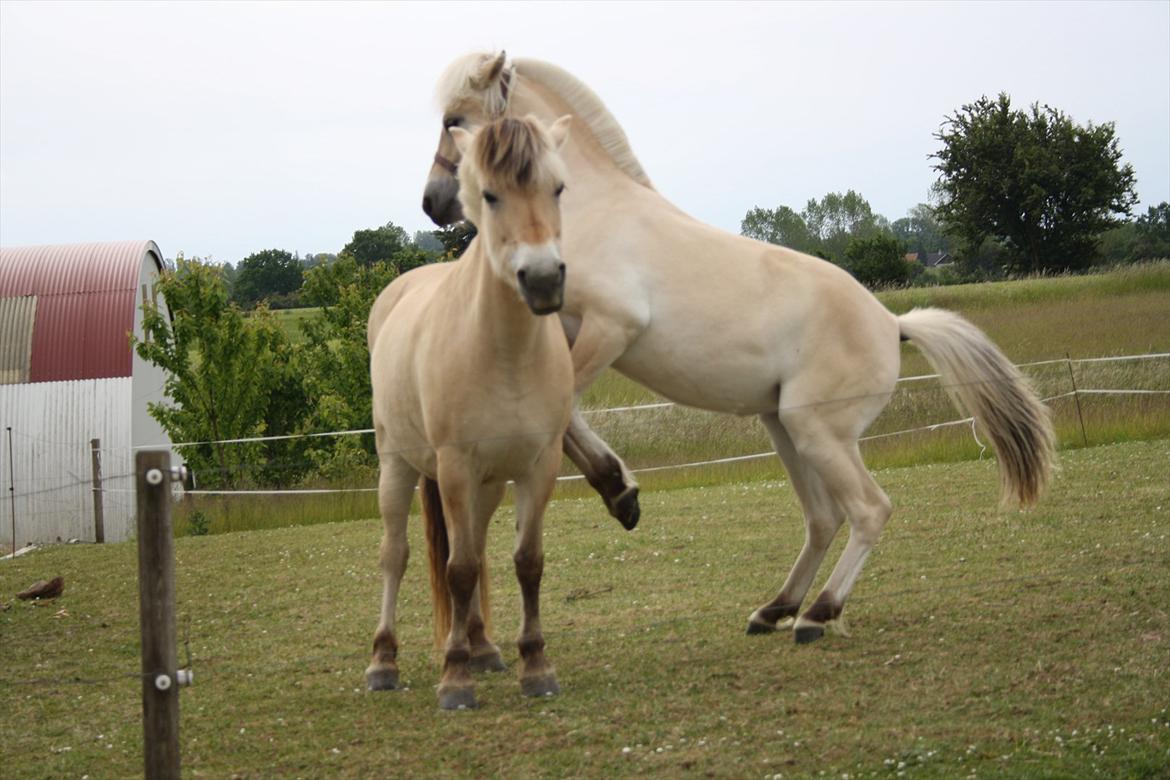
[
  {"x": 472, "y": 387},
  {"x": 724, "y": 323}
]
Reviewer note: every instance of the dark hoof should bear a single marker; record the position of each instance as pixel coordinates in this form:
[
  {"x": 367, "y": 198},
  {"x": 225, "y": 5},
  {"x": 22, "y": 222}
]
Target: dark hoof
[
  {"x": 488, "y": 662},
  {"x": 806, "y": 634},
  {"x": 626, "y": 509},
  {"x": 457, "y": 698},
  {"x": 759, "y": 628},
  {"x": 545, "y": 685},
  {"x": 382, "y": 679}
]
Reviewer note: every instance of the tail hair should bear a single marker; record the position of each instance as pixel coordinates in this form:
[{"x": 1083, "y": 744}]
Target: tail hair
[
  {"x": 438, "y": 552},
  {"x": 981, "y": 380}
]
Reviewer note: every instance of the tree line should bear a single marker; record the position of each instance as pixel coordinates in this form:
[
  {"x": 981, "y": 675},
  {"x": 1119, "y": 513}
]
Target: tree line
[{"x": 1018, "y": 192}]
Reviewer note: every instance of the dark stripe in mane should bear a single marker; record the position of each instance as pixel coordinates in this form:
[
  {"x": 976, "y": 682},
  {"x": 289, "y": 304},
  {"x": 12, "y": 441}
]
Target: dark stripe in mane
[{"x": 508, "y": 150}]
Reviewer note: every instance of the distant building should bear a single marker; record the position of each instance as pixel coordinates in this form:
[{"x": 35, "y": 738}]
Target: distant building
[
  {"x": 936, "y": 259},
  {"x": 68, "y": 375}
]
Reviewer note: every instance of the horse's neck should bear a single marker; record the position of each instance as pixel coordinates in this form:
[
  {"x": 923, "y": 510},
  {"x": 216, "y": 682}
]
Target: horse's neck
[{"x": 495, "y": 308}]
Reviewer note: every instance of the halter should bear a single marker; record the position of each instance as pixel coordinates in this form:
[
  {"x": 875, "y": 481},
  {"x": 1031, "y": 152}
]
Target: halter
[{"x": 453, "y": 167}]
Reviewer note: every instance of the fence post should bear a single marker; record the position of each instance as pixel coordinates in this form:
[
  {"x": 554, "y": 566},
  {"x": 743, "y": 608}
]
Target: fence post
[
  {"x": 99, "y": 518},
  {"x": 1077, "y": 398},
  {"x": 156, "y": 603},
  {"x": 12, "y": 490}
]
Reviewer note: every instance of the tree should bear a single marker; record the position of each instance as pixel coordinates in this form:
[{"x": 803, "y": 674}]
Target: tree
[
  {"x": 780, "y": 225},
  {"x": 878, "y": 261},
  {"x": 920, "y": 231},
  {"x": 376, "y": 245},
  {"x": 228, "y": 374},
  {"x": 836, "y": 219},
  {"x": 272, "y": 273},
  {"x": 1153, "y": 232},
  {"x": 335, "y": 361},
  {"x": 455, "y": 238},
  {"x": 1036, "y": 181}
]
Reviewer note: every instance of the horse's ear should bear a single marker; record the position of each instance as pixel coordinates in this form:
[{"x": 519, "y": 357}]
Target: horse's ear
[
  {"x": 489, "y": 71},
  {"x": 559, "y": 131},
  {"x": 462, "y": 139}
]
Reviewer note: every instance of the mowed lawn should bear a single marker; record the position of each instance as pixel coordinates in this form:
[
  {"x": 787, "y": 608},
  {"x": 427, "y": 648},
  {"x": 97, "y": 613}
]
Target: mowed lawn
[{"x": 982, "y": 643}]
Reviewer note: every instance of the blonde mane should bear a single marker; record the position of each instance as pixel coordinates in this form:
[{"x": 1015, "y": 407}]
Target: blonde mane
[
  {"x": 585, "y": 103},
  {"x": 455, "y": 86}
]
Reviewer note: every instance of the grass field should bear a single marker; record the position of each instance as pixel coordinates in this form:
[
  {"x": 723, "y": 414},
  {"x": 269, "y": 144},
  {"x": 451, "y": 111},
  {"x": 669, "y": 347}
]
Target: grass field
[{"x": 983, "y": 644}]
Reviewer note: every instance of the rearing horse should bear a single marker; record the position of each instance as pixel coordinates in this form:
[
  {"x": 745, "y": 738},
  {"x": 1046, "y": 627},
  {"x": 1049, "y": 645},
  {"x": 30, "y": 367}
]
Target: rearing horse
[
  {"x": 725, "y": 323},
  {"x": 472, "y": 388}
]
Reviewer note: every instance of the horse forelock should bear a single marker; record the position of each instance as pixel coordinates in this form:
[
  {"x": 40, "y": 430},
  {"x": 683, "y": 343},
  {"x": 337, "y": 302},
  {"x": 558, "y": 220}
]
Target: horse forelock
[{"x": 509, "y": 150}]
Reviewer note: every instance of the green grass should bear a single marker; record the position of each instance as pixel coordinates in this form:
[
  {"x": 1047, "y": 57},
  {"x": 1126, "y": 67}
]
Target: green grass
[{"x": 998, "y": 644}]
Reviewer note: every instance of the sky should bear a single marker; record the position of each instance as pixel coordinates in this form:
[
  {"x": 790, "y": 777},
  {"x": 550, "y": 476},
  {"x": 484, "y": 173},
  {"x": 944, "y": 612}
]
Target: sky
[{"x": 222, "y": 129}]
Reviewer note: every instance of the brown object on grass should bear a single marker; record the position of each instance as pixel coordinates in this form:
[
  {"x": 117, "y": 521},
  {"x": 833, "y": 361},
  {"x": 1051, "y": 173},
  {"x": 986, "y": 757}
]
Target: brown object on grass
[{"x": 44, "y": 589}]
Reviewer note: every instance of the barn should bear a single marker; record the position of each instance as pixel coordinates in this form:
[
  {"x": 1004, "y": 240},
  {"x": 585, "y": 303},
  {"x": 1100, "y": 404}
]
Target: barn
[{"x": 68, "y": 376}]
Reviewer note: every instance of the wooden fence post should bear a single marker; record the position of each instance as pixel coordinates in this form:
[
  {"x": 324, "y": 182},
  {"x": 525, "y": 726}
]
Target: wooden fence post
[
  {"x": 99, "y": 517},
  {"x": 156, "y": 603}
]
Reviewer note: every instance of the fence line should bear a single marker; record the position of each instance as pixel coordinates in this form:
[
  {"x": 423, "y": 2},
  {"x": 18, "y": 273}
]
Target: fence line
[{"x": 660, "y": 405}]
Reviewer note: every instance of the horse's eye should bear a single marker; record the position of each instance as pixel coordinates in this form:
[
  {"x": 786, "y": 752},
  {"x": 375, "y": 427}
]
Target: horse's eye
[
  {"x": 490, "y": 198},
  {"x": 452, "y": 121},
  {"x": 560, "y": 189}
]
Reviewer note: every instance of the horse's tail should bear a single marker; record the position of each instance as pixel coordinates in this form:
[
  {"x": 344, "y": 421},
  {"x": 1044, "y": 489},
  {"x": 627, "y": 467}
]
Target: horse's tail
[
  {"x": 982, "y": 380},
  {"x": 438, "y": 551}
]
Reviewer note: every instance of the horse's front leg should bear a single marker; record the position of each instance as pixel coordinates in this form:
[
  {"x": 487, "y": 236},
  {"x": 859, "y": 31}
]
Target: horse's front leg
[
  {"x": 599, "y": 342},
  {"x": 485, "y": 655},
  {"x": 396, "y": 482},
  {"x": 456, "y": 489},
  {"x": 537, "y": 677}
]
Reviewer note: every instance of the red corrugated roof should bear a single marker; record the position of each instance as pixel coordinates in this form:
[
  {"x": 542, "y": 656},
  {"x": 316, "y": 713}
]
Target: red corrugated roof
[{"x": 86, "y": 299}]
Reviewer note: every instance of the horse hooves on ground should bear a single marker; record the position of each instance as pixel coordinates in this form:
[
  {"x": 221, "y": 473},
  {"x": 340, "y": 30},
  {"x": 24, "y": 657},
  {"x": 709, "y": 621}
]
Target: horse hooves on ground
[
  {"x": 546, "y": 685},
  {"x": 759, "y": 628},
  {"x": 457, "y": 698},
  {"x": 627, "y": 510},
  {"x": 382, "y": 680},
  {"x": 488, "y": 662},
  {"x": 806, "y": 634}
]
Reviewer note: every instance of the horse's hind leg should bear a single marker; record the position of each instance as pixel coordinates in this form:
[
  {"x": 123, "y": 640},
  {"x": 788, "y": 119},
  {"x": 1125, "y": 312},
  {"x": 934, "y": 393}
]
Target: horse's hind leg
[
  {"x": 822, "y": 518},
  {"x": 836, "y": 459},
  {"x": 537, "y": 677},
  {"x": 485, "y": 655},
  {"x": 396, "y": 482}
]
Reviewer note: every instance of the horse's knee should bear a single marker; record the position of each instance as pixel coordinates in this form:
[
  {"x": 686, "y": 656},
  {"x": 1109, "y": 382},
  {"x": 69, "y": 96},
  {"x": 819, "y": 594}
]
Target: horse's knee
[
  {"x": 462, "y": 576},
  {"x": 529, "y": 566}
]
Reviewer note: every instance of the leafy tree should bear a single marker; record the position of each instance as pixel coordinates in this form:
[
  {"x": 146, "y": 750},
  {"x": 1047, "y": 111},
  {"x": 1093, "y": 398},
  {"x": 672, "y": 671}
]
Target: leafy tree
[
  {"x": 428, "y": 242},
  {"x": 376, "y": 245},
  {"x": 455, "y": 238},
  {"x": 920, "y": 231},
  {"x": 1153, "y": 232},
  {"x": 335, "y": 361},
  {"x": 269, "y": 274},
  {"x": 228, "y": 374},
  {"x": 1039, "y": 183},
  {"x": 780, "y": 225},
  {"x": 836, "y": 219},
  {"x": 878, "y": 261}
]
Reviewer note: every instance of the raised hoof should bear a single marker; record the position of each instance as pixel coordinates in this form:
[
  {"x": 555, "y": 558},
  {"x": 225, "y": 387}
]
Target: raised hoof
[
  {"x": 759, "y": 628},
  {"x": 545, "y": 685},
  {"x": 808, "y": 633},
  {"x": 382, "y": 679},
  {"x": 488, "y": 662},
  {"x": 627, "y": 510},
  {"x": 457, "y": 698}
]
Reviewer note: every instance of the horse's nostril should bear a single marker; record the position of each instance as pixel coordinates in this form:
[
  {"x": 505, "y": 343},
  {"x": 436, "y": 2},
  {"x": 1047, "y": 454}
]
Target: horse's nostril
[
  {"x": 427, "y": 205},
  {"x": 522, "y": 275},
  {"x": 561, "y": 268}
]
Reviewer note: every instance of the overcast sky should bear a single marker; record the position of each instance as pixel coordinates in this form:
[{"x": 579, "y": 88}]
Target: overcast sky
[{"x": 222, "y": 129}]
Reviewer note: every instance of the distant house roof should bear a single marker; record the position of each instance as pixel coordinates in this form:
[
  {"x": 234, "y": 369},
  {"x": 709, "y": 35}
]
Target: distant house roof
[
  {"x": 934, "y": 259},
  {"x": 67, "y": 310},
  {"x": 911, "y": 257}
]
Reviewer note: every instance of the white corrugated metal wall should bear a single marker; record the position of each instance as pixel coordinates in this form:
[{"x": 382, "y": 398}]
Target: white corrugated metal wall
[{"x": 52, "y": 424}]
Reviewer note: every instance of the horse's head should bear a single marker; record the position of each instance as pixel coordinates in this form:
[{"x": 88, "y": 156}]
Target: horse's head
[
  {"x": 472, "y": 91},
  {"x": 510, "y": 183}
]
